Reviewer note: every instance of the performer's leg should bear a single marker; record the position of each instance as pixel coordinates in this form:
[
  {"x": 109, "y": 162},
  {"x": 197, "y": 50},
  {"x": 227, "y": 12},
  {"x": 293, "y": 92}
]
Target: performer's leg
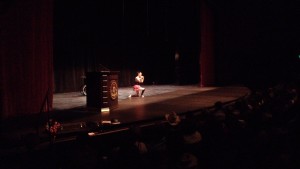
[
  {"x": 143, "y": 90},
  {"x": 136, "y": 90}
]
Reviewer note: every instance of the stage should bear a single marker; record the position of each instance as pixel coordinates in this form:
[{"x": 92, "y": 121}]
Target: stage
[{"x": 158, "y": 100}]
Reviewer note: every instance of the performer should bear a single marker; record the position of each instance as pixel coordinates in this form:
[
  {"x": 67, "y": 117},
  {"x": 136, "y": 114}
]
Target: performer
[{"x": 139, "y": 79}]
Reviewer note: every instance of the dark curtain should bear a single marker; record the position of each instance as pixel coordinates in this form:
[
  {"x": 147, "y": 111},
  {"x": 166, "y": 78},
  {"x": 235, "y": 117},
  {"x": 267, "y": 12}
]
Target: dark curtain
[
  {"x": 126, "y": 36},
  {"x": 26, "y": 56},
  {"x": 207, "y": 67},
  {"x": 121, "y": 35}
]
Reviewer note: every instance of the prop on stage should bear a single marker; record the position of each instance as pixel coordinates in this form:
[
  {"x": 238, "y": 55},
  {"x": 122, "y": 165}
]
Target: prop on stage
[{"x": 102, "y": 89}]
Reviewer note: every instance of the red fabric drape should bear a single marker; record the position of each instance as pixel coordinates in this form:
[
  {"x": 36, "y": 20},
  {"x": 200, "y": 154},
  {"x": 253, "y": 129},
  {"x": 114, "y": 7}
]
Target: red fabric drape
[
  {"x": 207, "y": 72},
  {"x": 26, "y": 39}
]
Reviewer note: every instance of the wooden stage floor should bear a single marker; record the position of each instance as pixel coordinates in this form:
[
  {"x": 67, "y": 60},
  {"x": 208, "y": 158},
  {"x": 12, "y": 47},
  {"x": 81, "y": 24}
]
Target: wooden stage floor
[{"x": 158, "y": 100}]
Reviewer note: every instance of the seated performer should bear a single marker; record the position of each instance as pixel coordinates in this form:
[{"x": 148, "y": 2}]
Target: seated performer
[{"x": 139, "y": 79}]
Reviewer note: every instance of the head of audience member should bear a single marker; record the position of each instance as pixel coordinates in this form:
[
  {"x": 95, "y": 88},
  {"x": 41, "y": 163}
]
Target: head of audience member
[{"x": 172, "y": 118}]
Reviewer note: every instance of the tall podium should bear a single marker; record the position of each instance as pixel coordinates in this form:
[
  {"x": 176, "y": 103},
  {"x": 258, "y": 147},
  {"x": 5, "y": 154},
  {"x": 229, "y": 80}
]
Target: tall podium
[{"x": 102, "y": 89}]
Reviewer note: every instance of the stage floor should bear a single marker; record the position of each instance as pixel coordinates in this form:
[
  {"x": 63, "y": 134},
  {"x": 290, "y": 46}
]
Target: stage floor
[{"x": 158, "y": 100}]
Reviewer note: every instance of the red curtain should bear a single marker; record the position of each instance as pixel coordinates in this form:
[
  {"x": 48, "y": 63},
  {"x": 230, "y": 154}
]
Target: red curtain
[
  {"x": 207, "y": 67},
  {"x": 26, "y": 55}
]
